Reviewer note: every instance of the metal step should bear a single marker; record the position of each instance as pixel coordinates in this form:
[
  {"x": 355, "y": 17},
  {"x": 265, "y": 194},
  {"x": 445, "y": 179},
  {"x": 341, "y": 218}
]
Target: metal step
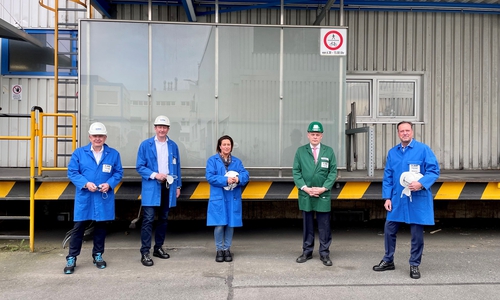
[
  {"x": 67, "y": 97},
  {"x": 70, "y": 68},
  {"x": 67, "y": 24},
  {"x": 72, "y": 9},
  {"x": 67, "y": 111},
  {"x": 68, "y": 81},
  {"x": 14, "y": 237},
  {"x": 67, "y": 53},
  {"x": 14, "y": 217},
  {"x": 69, "y": 38}
]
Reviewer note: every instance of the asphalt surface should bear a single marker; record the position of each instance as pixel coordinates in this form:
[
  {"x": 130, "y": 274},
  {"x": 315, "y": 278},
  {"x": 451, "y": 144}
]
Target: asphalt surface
[{"x": 461, "y": 261}]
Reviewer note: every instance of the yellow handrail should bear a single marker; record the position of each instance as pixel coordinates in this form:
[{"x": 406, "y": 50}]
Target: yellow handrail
[{"x": 36, "y": 132}]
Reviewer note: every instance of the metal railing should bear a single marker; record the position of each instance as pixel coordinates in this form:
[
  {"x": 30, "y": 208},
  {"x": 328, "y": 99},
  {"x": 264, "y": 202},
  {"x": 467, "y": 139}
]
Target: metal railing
[{"x": 36, "y": 134}]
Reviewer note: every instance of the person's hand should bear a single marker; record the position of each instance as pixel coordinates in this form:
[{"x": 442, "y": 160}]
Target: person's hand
[
  {"x": 311, "y": 191},
  {"x": 92, "y": 187},
  {"x": 388, "y": 205},
  {"x": 104, "y": 187},
  {"x": 161, "y": 177},
  {"x": 415, "y": 186}
]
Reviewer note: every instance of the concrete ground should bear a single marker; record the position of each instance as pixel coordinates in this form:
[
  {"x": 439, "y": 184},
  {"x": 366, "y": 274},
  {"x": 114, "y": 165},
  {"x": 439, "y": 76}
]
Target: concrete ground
[{"x": 461, "y": 261}]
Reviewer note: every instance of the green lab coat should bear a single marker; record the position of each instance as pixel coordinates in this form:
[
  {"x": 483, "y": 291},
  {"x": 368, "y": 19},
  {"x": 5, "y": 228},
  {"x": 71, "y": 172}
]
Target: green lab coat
[{"x": 310, "y": 174}]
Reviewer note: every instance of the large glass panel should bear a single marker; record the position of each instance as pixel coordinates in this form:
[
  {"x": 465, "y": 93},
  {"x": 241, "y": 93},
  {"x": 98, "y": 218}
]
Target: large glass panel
[
  {"x": 396, "y": 99},
  {"x": 248, "y": 107},
  {"x": 183, "y": 87},
  {"x": 314, "y": 89},
  {"x": 114, "y": 84}
]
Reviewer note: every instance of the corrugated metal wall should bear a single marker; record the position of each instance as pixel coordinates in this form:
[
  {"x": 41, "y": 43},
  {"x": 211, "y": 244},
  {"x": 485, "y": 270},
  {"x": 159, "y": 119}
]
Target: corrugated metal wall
[
  {"x": 29, "y": 14},
  {"x": 457, "y": 53},
  {"x": 35, "y": 91}
]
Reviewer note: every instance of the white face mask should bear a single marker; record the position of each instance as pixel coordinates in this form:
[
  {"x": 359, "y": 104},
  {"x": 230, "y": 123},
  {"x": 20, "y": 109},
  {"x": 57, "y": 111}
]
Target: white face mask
[{"x": 170, "y": 179}]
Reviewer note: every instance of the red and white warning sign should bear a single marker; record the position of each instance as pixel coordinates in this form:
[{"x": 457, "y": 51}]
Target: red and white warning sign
[
  {"x": 17, "y": 92},
  {"x": 333, "y": 42}
]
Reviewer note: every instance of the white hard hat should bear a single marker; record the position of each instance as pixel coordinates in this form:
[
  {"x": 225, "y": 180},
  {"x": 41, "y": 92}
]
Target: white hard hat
[
  {"x": 406, "y": 179},
  {"x": 232, "y": 185},
  {"x": 162, "y": 120},
  {"x": 98, "y": 128}
]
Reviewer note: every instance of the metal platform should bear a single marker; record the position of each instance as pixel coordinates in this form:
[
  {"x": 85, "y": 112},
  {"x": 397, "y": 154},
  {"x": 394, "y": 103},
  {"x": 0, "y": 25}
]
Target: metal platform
[{"x": 264, "y": 185}]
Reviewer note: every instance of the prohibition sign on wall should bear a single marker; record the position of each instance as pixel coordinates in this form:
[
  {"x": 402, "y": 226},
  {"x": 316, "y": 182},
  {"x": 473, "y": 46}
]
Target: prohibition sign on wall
[
  {"x": 333, "y": 42},
  {"x": 17, "y": 92}
]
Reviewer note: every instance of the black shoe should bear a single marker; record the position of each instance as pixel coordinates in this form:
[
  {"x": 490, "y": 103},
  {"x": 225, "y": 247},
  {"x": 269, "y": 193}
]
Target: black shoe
[
  {"x": 98, "y": 261},
  {"x": 146, "y": 260},
  {"x": 227, "y": 256},
  {"x": 384, "y": 266},
  {"x": 414, "y": 272},
  {"x": 161, "y": 253},
  {"x": 219, "y": 257},
  {"x": 303, "y": 258},
  {"x": 326, "y": 260},
  {"x": 70, "y": 265}
]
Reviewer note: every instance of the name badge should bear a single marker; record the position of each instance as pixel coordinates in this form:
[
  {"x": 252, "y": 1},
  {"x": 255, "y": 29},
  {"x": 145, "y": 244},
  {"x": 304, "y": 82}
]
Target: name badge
[
  {"x": 174, "y": 161},
  {"x": 414, "y": 168},
  {"x": 106, "y": 168},
  {"x": 324, "y": 164}
]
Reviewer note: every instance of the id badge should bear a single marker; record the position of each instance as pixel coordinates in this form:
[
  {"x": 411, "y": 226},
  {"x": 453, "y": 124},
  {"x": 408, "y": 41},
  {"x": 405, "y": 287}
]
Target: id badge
[
  {"x": 106, "y": 168},
  {"x": 414, "y": 168},
  {"x": 174, "y": 161}
]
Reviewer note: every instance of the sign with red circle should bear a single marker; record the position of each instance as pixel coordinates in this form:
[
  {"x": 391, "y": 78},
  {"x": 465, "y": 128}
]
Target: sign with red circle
[
  {"x": 333, "y": 41},
  {"x": 17, "y": 92}
]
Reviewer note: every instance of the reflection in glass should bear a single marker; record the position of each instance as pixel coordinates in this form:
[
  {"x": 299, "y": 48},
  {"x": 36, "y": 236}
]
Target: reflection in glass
[
  {"x": 28, "y": 58},
  {"x": 396, "y": 98},
  {"x": 248, "y": 107},
  {"x": 180, "y": 87},
  {"x": 359, "y": 92},
  {"x": 114, "y": 83},
  {"x": 313, "y": 90}
]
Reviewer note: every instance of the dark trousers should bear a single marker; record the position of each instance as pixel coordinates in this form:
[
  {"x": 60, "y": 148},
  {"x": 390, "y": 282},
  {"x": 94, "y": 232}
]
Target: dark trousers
[
  {"x": 325, "y": 233},
  {"x": 417, "y": 242},
  {"x": 75, "y": 245},
  {"x": 148, "y": 218}
]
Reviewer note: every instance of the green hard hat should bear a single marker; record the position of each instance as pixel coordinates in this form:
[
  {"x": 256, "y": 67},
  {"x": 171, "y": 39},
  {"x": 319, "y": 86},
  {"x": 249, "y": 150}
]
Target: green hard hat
[{"x": 315, "y": 127}]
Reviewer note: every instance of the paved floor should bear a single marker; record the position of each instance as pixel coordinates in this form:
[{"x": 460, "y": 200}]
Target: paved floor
[{"x": 461, "y": 261}]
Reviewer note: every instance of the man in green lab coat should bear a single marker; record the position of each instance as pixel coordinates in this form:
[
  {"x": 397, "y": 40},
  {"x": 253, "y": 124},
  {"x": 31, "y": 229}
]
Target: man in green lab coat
[{"x": 314, "y": 173}]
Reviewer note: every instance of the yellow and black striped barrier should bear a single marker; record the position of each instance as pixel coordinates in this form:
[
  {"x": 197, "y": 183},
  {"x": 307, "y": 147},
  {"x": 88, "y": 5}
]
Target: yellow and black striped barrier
[{"x": 255, "y": 190}]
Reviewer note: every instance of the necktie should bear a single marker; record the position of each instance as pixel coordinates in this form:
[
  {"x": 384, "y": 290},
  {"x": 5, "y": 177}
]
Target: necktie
[{"x": 315, "y": 154}]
